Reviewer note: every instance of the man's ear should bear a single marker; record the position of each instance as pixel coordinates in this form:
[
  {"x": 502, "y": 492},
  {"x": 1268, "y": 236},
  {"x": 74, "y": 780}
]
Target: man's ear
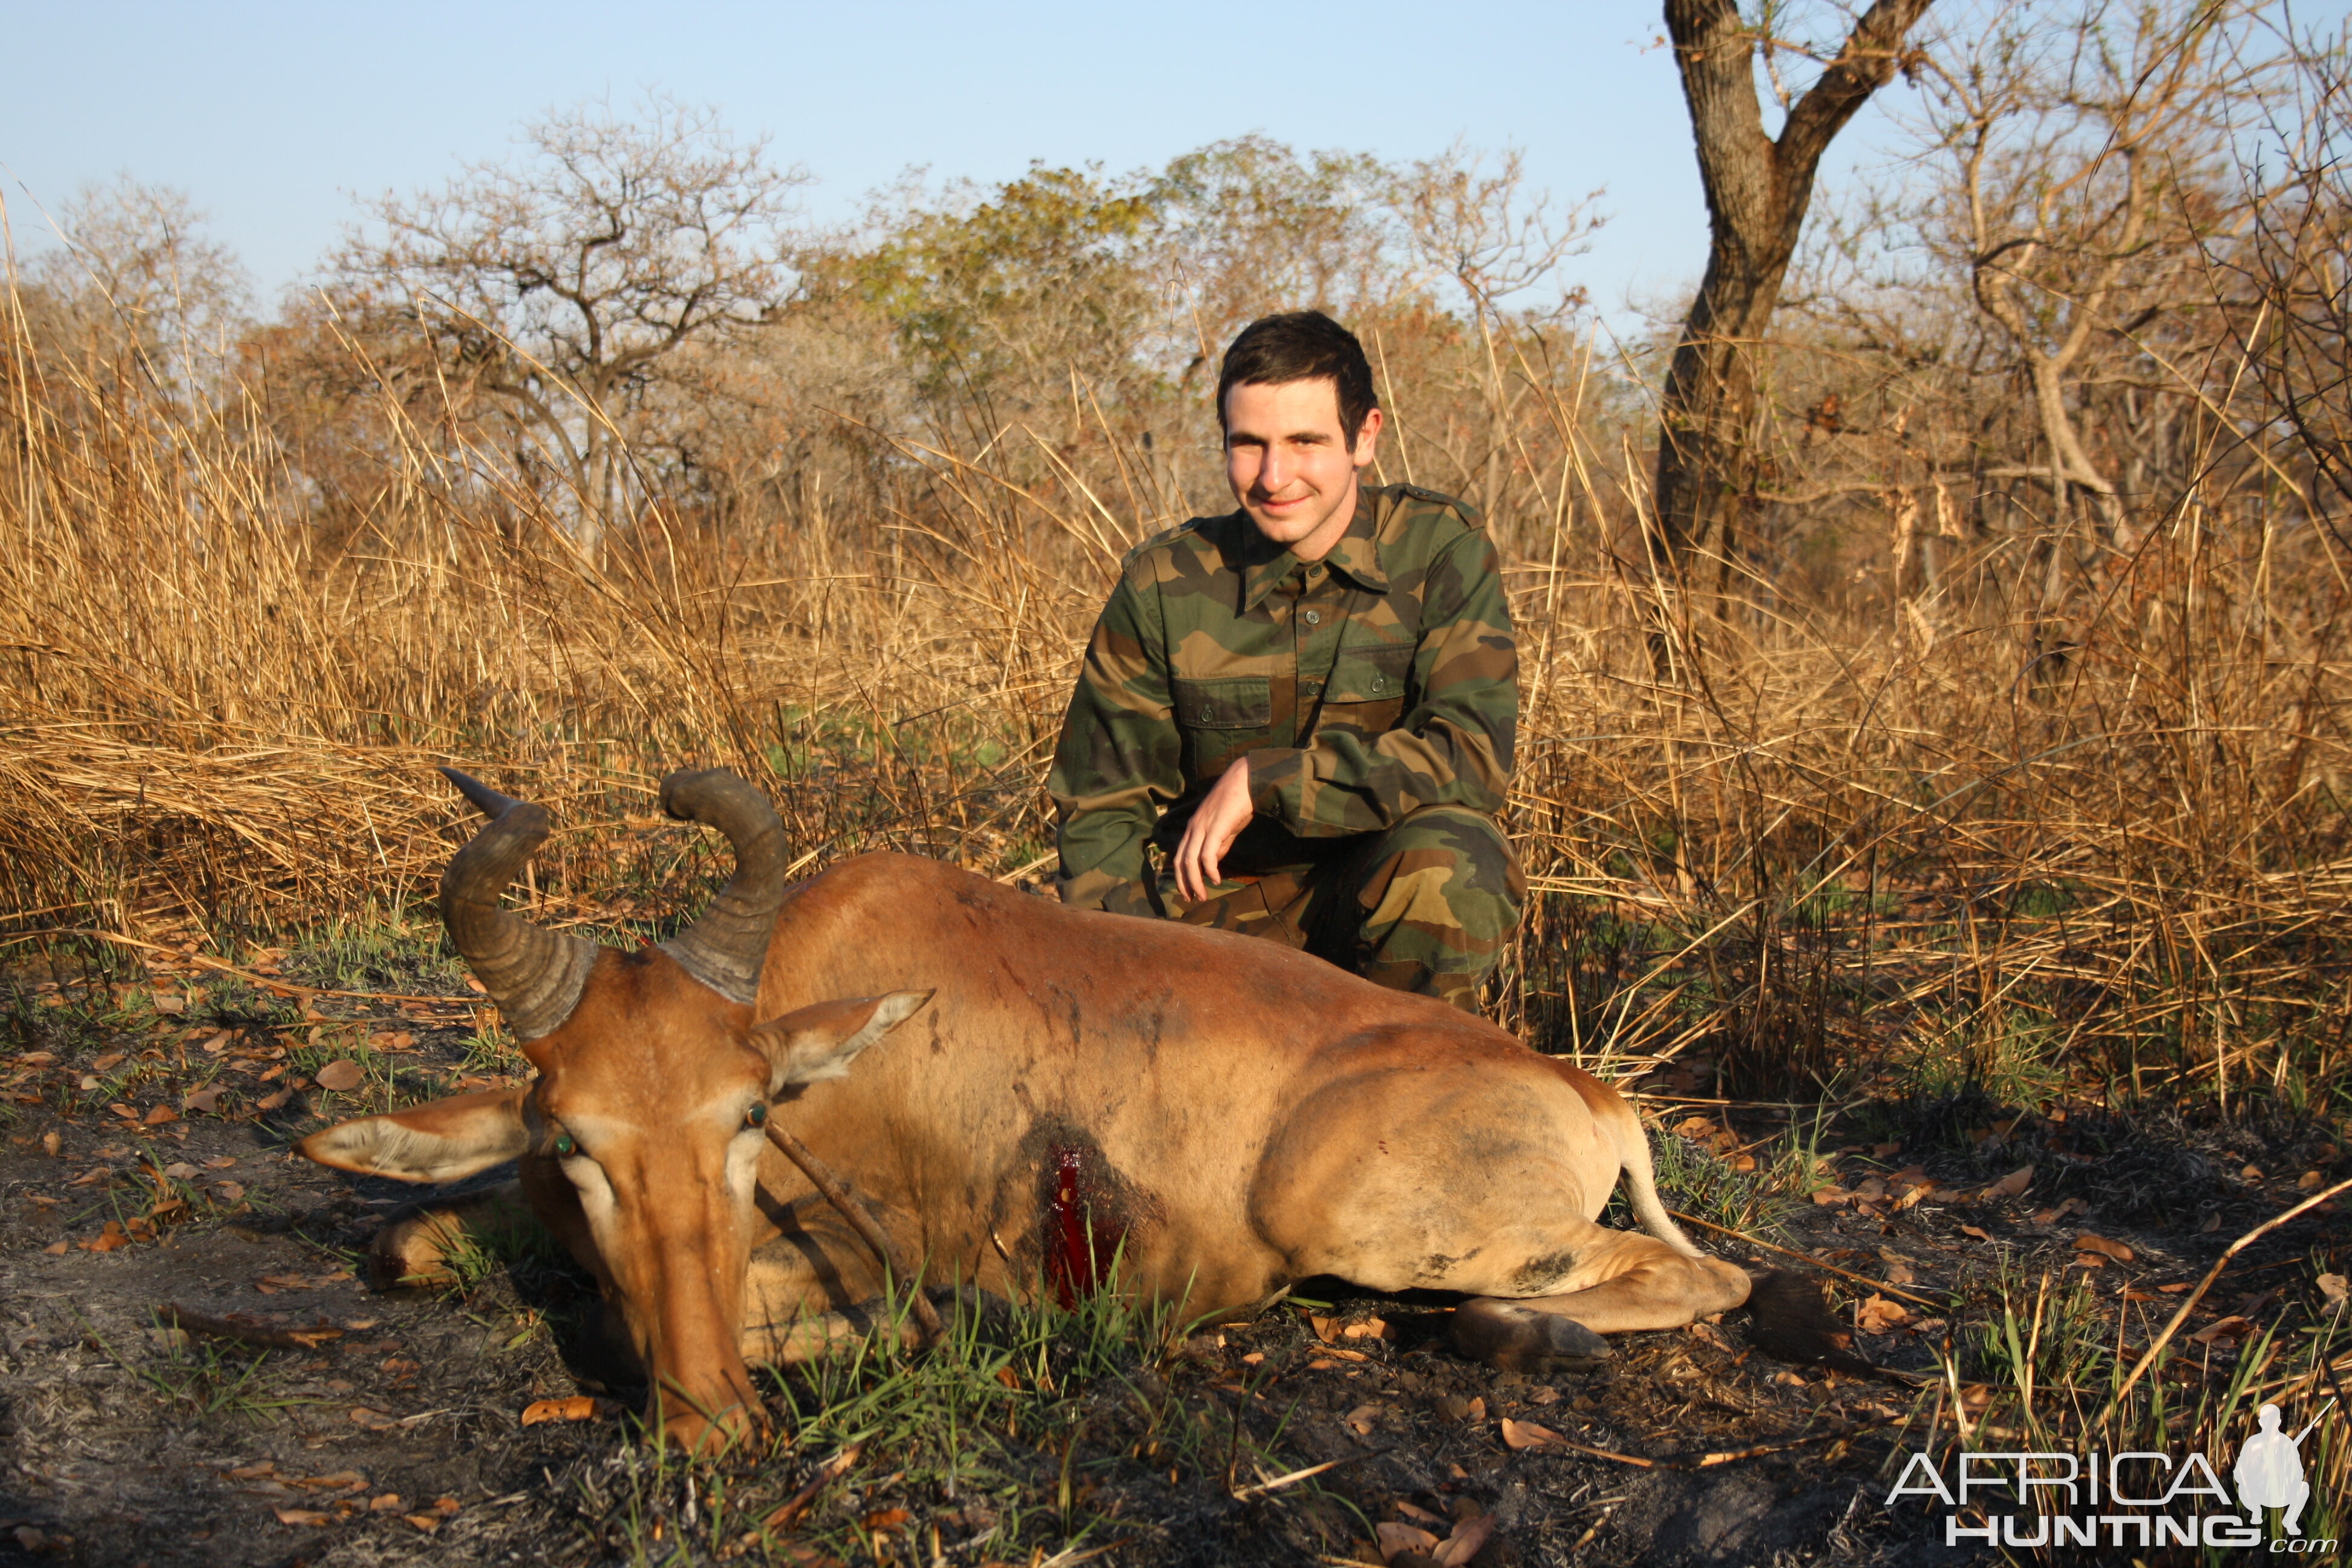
[
  {"x": 447, "y": 1141},
  {"x": 819, "y": 1041}
]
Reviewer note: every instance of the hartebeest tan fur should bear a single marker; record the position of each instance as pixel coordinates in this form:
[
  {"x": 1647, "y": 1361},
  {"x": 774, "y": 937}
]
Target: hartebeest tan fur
[{"x": 987, "y": 1070}]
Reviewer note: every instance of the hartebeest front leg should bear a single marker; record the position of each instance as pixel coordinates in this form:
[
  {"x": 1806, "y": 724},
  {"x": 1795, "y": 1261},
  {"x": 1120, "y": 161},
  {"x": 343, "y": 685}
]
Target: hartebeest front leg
[{"x": 427, "y": 1245}]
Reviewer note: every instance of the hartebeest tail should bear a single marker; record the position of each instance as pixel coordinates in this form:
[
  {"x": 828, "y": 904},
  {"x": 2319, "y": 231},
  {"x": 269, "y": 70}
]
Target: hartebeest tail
[{"x": 1642, "y": 1187}]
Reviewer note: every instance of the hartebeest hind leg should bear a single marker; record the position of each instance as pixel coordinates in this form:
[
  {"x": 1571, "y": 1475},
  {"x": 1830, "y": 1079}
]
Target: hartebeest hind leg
[
  {"x": 1623, "y": 1282},
  {"x": 1412, "y": 1174}
]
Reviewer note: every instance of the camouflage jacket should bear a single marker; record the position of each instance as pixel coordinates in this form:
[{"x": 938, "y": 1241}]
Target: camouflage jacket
[{"x": 1362, "y": 687}]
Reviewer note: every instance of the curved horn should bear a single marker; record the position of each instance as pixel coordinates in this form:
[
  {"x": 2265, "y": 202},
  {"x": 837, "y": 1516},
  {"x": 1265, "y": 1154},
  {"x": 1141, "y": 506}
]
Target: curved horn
[
  {"x": 725, "y": 948},
  {"x": 533, "y": 976}
]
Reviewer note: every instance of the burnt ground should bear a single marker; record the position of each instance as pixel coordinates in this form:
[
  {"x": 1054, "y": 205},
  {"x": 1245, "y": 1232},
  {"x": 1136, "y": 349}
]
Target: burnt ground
[{"x": 311, "y": 1419}]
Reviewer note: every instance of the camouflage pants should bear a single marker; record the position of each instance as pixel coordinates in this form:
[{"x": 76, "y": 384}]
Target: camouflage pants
[{"x": 1425, "y": 906}]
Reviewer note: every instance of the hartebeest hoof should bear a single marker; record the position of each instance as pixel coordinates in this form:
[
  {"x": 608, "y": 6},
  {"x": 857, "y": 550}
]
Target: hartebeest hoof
[
  {"x": 1789, "y": 1320},
  {"x": 1509, "y": 1337}
]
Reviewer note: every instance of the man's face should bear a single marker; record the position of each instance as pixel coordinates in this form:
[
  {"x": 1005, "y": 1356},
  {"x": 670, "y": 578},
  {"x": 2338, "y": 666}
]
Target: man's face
[{"x": 1287, "y": 458}]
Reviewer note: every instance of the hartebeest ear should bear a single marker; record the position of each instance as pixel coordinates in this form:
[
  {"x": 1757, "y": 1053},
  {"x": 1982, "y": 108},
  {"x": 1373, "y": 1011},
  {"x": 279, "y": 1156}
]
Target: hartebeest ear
[
  {"x": 820, "y": 1041},
  {"x": 444, "y": 1141}
]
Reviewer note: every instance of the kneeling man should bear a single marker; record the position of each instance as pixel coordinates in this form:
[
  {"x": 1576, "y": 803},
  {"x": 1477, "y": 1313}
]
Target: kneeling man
[{"x": 1305, "y": 704}]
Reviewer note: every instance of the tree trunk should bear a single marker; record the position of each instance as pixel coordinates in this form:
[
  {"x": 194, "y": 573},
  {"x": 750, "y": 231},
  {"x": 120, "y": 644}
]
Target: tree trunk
[{"x": 1757, "y": 189}]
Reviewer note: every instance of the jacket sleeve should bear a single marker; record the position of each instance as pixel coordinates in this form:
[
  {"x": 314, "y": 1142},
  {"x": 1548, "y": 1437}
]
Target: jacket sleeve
[
  {"x": 1119, "y": 762},
  {"x": 1452, "y": 747}
]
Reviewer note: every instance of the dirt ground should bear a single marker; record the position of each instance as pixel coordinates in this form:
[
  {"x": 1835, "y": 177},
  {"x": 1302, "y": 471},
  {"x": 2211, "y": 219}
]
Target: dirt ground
[{"x": 308, "y": 1419}]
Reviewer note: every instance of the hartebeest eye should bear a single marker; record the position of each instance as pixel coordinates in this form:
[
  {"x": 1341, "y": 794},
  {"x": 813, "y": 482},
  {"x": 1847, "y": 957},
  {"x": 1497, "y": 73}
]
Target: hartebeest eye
[
  {"x": 565, "y": 1146},
  {"x": 756, "y": 1115}
]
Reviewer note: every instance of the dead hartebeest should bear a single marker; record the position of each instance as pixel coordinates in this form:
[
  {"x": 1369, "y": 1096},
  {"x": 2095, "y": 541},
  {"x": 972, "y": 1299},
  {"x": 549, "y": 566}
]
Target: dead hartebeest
[{"x": 1032, "y": 1086}]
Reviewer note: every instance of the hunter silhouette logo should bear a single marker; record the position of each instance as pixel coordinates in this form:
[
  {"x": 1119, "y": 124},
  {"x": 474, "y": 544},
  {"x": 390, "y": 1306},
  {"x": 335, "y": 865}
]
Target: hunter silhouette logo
[{"x": 2269, "y": 1472}]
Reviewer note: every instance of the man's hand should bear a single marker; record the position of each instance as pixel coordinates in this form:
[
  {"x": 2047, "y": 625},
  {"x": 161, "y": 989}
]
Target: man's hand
[{"x": 1217, "y": 822}]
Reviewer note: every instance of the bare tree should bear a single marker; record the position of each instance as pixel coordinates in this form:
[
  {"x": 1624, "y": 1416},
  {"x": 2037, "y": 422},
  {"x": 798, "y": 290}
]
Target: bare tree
[
  {"x": 1758, "y": 188},
  {"x": 555, "y": 285},
  {"x": 137, "y": 273},
  {"x": 2297, "y": 336},
  {"x": 2080, "y": 150}
]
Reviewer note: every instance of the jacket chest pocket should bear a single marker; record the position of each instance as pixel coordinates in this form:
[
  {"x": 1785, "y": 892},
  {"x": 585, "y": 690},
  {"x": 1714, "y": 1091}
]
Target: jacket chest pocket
[
  {"x": 1220, "y": 719},
  {"x": 1367, "y": 688},
  {"x": 1231, "y": 703}
]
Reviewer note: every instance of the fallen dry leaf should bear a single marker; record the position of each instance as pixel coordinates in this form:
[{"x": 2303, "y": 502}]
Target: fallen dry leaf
[
  {"x": 2229, "y": 1327},
  {"x": 886, "y": 1519},
  {"x": 1362, "y": 1419},
  {"x": 2086, "y": 1242},
  {"x": 273, "y": 1101},
  {"x": 1397, "y": 1539},
  {"x": 2334, "y": 1287},
  {"x": 205, "y": 1101},
  {"x": 1370, "y": 1329},
  {"x": 274, "y": 1284},
  {"x": 1830, "y": 1196},
  {"x": 1326, "y": 1328},
  {"x": 1468, "y": 1536},
  {"x": 1980, "y": 1235},
  {"x": 390, "y": 1502},
  {"x": 56, "y": 1250},
  {"x": 1527, "y": 1435},
  {"x": 228, "y": 1192},
  {"x": 374, "y": 1420},
  {"x": 51, "y": 1144},
  {"x": 2011, "y": 1185},
  {"x": 1880, "y": 1316},
  {"x": 579, "y": 1407},
  {"x": 107, "y": 1240},
  {"x": 341, "y": 1075},
  {"x": 302, "y": 1516}
]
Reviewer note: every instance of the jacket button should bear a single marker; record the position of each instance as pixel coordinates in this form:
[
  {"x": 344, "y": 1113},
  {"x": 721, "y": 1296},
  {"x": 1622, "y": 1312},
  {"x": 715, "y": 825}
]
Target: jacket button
[
  {"x": 1378, "y": 684},
  {"x": 1207, "y": 714},
  {"x": 1314, "y": 617}
]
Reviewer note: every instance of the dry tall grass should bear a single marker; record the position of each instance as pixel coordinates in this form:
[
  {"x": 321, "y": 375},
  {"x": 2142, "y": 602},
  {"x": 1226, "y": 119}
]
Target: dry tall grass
[{"x": 1825, "y": 839}]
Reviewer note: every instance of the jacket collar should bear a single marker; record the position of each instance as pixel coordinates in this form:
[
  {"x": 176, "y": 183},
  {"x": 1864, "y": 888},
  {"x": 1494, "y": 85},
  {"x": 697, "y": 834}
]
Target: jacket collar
[{"x": 1356, "y": 557}]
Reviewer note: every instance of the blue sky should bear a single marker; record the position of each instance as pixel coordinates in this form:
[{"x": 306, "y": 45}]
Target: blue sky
[{"x": 272, "y": 115}]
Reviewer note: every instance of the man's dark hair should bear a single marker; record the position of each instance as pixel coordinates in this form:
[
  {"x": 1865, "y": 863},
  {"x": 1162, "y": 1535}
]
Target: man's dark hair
[{"x": 1301, "y": 345}]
